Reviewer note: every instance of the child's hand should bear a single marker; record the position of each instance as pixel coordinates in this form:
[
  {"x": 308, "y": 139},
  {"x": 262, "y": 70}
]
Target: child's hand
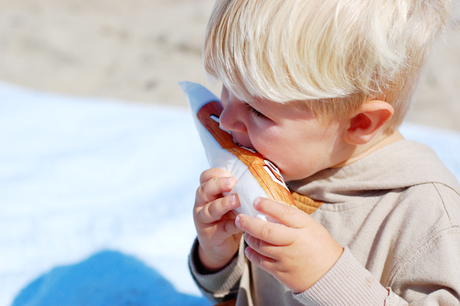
[
  {"x": 218, "y": 236},
  {"x": 297, "y": 253}
]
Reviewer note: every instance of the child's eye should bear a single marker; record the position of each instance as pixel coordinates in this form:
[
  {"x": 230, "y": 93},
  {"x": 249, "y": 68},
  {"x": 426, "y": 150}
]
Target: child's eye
[{"x": 255, "y": 112}]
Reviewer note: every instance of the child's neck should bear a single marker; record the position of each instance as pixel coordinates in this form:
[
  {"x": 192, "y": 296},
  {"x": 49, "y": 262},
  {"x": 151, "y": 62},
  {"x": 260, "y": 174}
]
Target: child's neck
[{"x": 363, "y": 150}]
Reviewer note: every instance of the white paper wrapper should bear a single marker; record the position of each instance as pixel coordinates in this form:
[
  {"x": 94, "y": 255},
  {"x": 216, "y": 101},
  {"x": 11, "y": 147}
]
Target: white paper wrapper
[{"x": 247, "y": 187}]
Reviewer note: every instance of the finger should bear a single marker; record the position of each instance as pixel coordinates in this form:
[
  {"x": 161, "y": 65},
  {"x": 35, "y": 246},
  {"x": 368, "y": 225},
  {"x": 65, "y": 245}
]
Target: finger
[
  {"x": 213, "y": 173},
  {"x": 287, "y": 215},
  {"x": 228, "y": 227},
  {"x": 263, "y": 262},
  {"x": 215, "y": 210},
  {"x": 262, "y": 247},
  {"x": 213, "y": 188},
  {"x": 272, "y": 233}
]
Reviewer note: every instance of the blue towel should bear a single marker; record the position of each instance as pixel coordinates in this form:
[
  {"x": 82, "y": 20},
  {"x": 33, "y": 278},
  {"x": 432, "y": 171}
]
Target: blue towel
[{"x": 108, "y": 278}]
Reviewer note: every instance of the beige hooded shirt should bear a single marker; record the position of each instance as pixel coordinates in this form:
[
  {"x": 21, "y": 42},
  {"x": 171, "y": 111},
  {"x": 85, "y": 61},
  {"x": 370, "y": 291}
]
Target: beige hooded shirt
[{"x": 397, "y": 214}]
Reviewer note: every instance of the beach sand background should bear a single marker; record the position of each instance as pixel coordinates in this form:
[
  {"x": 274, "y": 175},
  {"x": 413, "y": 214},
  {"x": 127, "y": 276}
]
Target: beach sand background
[{"x": 137, "y": 50}]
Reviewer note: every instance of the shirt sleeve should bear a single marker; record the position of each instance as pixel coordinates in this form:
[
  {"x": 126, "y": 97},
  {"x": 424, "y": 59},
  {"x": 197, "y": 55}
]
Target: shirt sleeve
[
  {"x": 346, "y": 283},
  {"x": 222, "y": 285},
  {"x": 428, "y": 277}
]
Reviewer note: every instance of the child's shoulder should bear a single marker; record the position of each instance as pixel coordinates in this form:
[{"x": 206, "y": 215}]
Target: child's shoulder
[
  {"x": 406, "y": 167},
  {"x": 412, "y": 163}
]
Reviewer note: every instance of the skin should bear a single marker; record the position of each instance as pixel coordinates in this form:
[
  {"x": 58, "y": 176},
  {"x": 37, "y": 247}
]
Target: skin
[{"x": 297, "y": 251}]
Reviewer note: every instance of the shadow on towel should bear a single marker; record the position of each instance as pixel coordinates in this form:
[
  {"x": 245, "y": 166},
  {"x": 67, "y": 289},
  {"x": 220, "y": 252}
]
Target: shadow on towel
[{"x": 106, "y": 278}]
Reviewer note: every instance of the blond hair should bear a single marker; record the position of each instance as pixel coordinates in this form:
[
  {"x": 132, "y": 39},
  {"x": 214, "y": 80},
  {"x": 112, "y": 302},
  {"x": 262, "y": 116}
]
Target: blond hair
[{"x": 334, "y": 54}]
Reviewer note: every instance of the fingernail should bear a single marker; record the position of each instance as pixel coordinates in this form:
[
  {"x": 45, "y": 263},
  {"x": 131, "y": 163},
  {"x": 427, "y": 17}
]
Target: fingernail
[
  {"x": 256, "y": 202},
  {"x": 232, "y": 199},
  {"x": 246, "y": 251},
  {"x": 228, "y": 181},
  {"x": 237, "y": 221}
]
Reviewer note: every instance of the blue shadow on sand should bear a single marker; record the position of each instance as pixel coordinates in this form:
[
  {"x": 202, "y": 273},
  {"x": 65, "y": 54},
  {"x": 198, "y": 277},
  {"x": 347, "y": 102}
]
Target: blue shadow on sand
[{"x": 106, "y": 278}]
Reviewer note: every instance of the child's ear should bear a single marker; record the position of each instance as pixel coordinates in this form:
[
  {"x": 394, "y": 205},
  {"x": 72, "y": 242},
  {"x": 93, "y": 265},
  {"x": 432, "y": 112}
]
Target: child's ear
[{"x": 368, "y": 121}]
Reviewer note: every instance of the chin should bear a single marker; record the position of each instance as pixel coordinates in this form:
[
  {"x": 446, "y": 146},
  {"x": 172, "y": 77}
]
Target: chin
[
  {"x": 295, "y": 176},
  {"x": 287, "y": 177}
]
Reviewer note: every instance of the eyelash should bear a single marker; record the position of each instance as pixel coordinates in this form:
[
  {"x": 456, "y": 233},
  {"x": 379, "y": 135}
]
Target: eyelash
[{"x": 255, "y": 112}]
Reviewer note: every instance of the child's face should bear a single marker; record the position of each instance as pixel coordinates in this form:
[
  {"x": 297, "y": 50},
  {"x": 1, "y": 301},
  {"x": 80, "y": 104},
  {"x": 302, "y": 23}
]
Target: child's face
[{"x": 288, "y": 134}]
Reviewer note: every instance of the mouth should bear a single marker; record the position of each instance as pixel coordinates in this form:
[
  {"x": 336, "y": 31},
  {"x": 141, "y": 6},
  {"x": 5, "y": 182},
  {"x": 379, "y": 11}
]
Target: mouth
[{"x": 244, "y": 147}]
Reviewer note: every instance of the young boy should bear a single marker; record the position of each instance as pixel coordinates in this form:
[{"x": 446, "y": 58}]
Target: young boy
[{"x": 319, "y": 87}]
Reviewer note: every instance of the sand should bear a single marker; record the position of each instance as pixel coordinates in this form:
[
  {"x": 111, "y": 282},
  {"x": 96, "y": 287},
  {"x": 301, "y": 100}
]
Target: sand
[{"x": 137, "y": 50}]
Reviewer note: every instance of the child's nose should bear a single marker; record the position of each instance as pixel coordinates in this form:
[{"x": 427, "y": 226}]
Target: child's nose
[{"x": 231, "y": 119}]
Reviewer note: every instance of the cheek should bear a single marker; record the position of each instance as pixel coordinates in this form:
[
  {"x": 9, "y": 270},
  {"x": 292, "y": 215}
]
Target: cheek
[
  {"x": 270, "y": 143},
  {"x": 296, "y": 155}
]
